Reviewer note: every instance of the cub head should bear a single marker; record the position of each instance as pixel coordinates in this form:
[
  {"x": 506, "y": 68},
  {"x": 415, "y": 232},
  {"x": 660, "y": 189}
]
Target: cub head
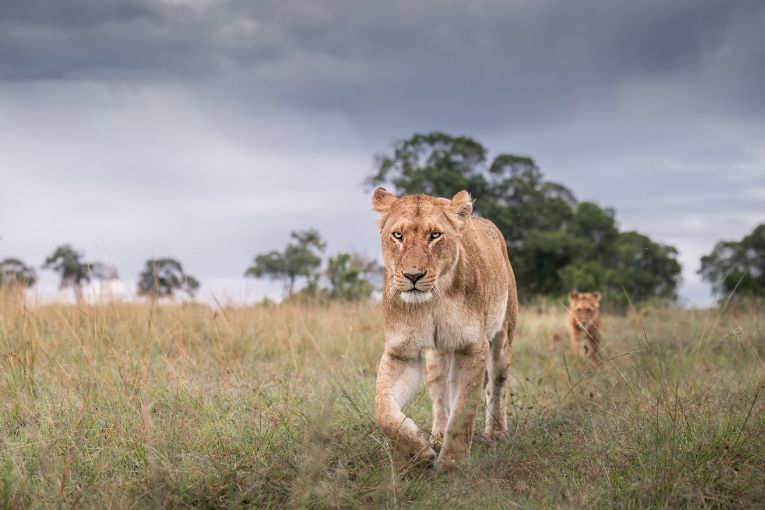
[
  {"x": 420, "y": 238},
  {"x": 585, "y": 306}
]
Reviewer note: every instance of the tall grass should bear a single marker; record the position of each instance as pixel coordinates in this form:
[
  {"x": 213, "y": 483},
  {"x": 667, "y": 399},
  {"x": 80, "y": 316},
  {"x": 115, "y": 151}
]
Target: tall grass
[{"x": 121, "y": 405}]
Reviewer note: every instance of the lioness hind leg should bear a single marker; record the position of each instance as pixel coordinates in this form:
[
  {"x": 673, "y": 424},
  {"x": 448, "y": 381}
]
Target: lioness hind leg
[
  {"x": 397, "y": 379},
  {"x": 466, "y": 375},
  {"x": 437, "y": 368},
  {"x": 496, "y": 392}
]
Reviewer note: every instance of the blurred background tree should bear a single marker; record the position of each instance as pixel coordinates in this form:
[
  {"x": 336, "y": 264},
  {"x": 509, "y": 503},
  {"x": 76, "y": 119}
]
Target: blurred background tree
[
  {"x": 351, "y": 277},
  {"x": 555, "y": 242},
  {"x": 301, "y": 258},
  {"x": 163, "y": 278},
  {"x": 738, "y": 265},
  {"x": 15, "y": 274},
  {"x": 347, "y": 276},
  {"x": 74, "y": 272}
]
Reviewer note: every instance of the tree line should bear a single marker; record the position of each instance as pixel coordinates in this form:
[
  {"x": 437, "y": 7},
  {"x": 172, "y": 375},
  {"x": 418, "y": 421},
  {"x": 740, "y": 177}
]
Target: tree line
[
  {"x": 556, "y": 242},
  {"x": 162, "y": 277},
  {"x": 347, "y": 276}
]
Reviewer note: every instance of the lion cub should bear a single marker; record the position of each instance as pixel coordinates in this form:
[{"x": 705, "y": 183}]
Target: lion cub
[
  {"x": 449, "y": 290},
  {"x": 584, "y": 323}
]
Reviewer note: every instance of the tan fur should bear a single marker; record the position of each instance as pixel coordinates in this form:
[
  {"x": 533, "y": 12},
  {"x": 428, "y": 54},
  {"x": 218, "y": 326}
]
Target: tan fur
[
  {"x": 462, "y": 312},
  {"x": 583, "y": 321}
]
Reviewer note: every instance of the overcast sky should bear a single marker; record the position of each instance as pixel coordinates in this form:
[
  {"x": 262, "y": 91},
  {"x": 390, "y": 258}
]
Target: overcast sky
[{"x": 206, "y": 130}]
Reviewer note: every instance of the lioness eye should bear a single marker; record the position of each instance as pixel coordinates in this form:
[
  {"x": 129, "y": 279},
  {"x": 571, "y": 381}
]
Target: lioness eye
[
  {"x": 435, "y": 235},
  {"x": 398, "y": 235}
]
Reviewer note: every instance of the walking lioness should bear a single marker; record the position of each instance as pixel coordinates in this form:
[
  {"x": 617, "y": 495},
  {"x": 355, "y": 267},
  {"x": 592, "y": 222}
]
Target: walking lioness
[
  {"x": 450, "y": 290},
  {"x": 583, "y": 323}
]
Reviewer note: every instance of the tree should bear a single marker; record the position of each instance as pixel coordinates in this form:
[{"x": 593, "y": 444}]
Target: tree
[
  {"x": 351, "y": 277},
  {"x": 590, "y": 276},
  {"x": 738, "y": 265},
  {"x": 14, "y": 273},
  {"x": 163, "y": 278},
  {"x": 646, "y": 269},
  {"x": 521, "y": 200},
  {"x": 74, "y": 272},
  {"x": 433, "y": 163},
  {"x": 301, "y": 258},
  {"x": 555, "y": 242},
  {"x": 594, "y": 232},
  {"x": 634, "y": 264}
]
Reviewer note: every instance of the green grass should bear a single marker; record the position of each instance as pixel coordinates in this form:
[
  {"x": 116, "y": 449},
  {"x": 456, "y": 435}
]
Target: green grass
[{"x": 128, "y": 406}]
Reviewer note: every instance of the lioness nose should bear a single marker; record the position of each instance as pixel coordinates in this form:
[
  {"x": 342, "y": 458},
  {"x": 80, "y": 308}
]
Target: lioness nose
[{"x": 413, "y": 276}]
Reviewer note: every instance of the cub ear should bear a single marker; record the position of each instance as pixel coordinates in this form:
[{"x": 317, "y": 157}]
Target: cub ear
[
  {"x": 462, "y": 206},
  {"x": 573, "y": 295},
  {"x": 597, "y": 296},
  {"x": 382, "y": 200}
]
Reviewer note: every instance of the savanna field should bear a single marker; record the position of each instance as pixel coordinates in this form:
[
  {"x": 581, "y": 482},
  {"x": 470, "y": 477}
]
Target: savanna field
[{"x": 124, "y": 405}]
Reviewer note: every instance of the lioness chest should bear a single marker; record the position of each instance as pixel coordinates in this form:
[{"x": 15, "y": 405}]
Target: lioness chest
[{"x": 450, "y": 326}]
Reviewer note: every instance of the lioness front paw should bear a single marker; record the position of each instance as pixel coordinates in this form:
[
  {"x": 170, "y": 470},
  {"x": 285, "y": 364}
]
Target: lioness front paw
[
  {"x": 448, "y": 462},
  {"x": 437, "y": 441},
  {"x": 451, "y": 456},
  {"x": 426, "y": 457}
]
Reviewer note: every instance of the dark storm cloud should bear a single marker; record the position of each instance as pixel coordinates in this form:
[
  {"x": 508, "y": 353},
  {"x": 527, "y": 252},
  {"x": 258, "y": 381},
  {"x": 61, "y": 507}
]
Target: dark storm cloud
[{"x": 440, "y": 62}]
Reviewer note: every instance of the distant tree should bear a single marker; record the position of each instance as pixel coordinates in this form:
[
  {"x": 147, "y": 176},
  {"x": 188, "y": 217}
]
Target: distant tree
[
  {"x": 163, "y": 278},
  {"x": 555, "y": 242},
  {"x": 70, "y": 267},
  {"x": 646, "y": 269},
  {"x": 635, "y": 265},
  {"x": 301, "y": 258},
  {"x": 594, "y": 232},
  {"x": 433, "y": 163},
  {"x": 520, "y": 200},
  {"x": 738, "y": 265},
  {"x": 602, "y": 258},
  {"x": 590, "y": 276},
  {"x": 14, "y": 273},
  {"x": 74, "y": 272},
  {"x": 351, "y": 277}
]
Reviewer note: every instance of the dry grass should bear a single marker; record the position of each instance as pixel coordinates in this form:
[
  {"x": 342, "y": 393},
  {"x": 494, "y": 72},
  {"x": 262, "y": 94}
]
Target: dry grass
[{"x": 128, "y": 406}]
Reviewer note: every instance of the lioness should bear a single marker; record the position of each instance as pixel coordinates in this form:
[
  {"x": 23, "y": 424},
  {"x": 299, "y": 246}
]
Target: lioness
[
  {"x": 449, "y": 289},
  {"x": 584, "y": 323}
]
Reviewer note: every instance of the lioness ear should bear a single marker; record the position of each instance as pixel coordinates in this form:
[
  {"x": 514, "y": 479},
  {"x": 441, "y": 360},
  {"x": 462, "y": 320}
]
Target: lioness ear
[
  {"x": 596, "y": 295},
  {"x": 382, "y": 200},
  {"x": 573, "y": 295},
  {"x": 462, "y": 206}
]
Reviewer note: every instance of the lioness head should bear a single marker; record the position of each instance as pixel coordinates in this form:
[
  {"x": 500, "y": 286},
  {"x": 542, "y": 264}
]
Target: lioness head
[
  {"x": 585, "y": 306},
  {"x": 420, "y": 237}
]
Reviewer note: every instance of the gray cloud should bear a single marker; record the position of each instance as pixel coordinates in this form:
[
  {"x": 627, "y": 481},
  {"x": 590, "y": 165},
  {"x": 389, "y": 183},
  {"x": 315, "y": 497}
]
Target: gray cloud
[
  {"x": 190, "y": 126},
  {"x": 440, "y": 61}
]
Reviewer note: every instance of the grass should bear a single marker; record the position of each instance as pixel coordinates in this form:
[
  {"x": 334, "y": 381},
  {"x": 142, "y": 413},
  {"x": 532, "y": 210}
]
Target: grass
[{"x": 124, "y": 405}]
